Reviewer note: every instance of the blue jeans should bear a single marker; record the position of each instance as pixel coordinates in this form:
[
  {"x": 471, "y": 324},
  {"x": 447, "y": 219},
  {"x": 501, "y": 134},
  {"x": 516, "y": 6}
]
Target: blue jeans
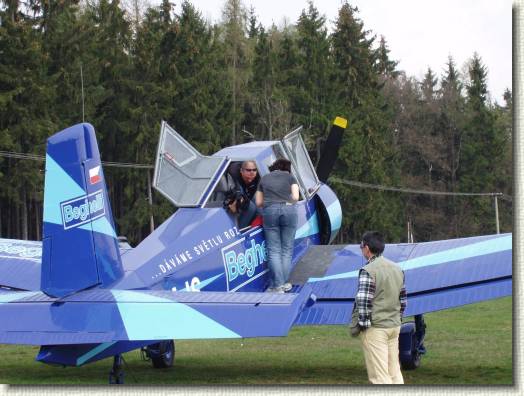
[
  {"x": 280, "y": 225},
  {"x": 246, "y": 215}
]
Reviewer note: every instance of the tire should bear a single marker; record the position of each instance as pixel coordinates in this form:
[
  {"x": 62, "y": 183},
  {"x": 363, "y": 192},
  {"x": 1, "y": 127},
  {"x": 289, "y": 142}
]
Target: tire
[
  {"x": 414, "y": 362},
  {"x": 165, "y": 356}
]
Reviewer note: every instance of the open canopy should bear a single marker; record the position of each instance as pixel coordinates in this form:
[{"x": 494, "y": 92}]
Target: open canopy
[{"x": 183, "y": 175}]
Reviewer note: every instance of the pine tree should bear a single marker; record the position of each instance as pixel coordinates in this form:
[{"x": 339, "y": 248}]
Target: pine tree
[
  {"x": 451, "y": 103},
  {"x": 254, "y": 27},
  {"x": 385, "y": 66},
  {"x": 25, "y": 120},
  {"x": 199, "y": 96},
  {"x": 235, "y": 45},
  {"x": 354, "y": 58},
  {"x": 481, "y": 148},
  {"x": 311, "y": 105},
  {"x": 368, "y": 153},
  {"x": 288, "y": 77},
  {"x": 504, "y": 182},
  {"x": 269, "y": 104}
]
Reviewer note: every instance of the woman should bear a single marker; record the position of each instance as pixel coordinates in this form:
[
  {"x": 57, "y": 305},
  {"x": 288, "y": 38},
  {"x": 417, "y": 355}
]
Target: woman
[{"x": 277, "y": 193}]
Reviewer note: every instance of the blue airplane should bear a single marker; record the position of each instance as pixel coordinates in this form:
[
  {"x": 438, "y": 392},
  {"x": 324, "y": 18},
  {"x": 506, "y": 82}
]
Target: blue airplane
[{"x": 82, "y": 295}]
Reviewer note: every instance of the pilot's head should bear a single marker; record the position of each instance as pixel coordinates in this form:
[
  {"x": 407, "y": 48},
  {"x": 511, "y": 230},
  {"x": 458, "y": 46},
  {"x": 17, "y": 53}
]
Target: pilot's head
[{"x": 248, "y": 171}]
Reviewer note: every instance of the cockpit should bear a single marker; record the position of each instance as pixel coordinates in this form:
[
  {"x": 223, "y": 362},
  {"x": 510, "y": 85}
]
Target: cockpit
[{"x": 190, "y": 179}]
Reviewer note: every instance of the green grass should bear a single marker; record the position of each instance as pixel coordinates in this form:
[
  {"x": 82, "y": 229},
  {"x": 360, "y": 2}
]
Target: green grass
[{"x": 468, "y": 345}]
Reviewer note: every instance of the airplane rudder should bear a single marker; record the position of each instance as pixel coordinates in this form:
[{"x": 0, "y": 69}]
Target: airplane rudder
[
  {"x": 102, "y": 225},
  {"x": 80, "y": 244}
]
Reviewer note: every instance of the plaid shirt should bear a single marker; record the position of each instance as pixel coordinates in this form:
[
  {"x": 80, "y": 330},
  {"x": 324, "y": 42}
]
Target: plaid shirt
[{"x": 365, "y": 295}]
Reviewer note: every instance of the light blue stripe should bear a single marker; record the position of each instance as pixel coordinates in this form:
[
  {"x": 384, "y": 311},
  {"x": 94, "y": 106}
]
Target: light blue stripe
[
  {"x": 309, "y": 228},
  {"x": 100, "y": 225},
  {"x": 335, "y": 215},
  {"x": 8, "y": 297},
  {"x": 58, "y": 187},
  {"x": 95, "y": 351},
  {"x": 204, "y": 283},
  {"x": 161, "y": 319},
  {"x": 344, "y": 275},
  {"x": 482, "y": 248}
]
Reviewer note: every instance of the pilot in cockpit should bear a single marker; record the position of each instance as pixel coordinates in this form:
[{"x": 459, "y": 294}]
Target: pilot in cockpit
[{"x": 241, "y": 199}]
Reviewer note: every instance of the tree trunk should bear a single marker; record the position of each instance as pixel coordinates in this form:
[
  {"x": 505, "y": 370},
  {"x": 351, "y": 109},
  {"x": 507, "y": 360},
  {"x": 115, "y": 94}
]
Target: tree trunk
[{"x": 24, "y": 215}]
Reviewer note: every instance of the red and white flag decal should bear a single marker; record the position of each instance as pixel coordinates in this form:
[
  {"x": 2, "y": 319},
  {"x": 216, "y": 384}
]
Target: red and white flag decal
[{"x": 94, "y": 175}]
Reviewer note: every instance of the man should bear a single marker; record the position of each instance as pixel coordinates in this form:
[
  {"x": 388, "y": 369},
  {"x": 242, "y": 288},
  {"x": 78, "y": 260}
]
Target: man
[
  {"x": 379, "y": 305},
  {"x": 247, "y": 183}
]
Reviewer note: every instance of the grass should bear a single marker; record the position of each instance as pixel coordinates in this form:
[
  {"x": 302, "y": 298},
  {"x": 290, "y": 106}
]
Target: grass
[{"x": 469, "y": 345}]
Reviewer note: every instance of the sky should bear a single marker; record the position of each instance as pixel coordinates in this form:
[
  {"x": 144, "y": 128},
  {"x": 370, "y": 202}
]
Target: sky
[{"x": 419, "y": 33}]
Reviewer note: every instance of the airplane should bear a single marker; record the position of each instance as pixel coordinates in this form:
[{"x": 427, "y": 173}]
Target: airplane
[{"x": 83, "y": 295}]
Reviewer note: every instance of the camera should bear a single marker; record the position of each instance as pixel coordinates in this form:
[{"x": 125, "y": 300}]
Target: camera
[{"x": 235, "y": 195}]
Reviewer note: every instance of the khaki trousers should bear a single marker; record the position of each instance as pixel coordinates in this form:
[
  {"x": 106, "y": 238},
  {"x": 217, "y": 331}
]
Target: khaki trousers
[{"x": 380, "y": 348}]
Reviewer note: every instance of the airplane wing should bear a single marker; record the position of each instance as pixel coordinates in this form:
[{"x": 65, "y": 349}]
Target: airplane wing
[
  {"x": 439, "y": 275},
  {"x": 105, "y": 315},
  {"x": 21, "y": 263}
]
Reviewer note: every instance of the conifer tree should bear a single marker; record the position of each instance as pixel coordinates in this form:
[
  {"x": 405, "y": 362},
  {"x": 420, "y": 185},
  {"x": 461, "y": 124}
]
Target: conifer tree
[
  {"x": 199, "y": 95},
  {"x": 384, "y": 65},
  {"x": 236, "y": 53},
  {"x": 451, "y": 104},
  {"x": 25, "y": 120},
  {"x": 368, "y": 153},
  {"x": 269, "y": 104},
  {"x": 310, "y": 106},
  {"x": 482, "y": 144}
]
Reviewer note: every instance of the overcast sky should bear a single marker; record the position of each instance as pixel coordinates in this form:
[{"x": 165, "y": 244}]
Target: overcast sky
[{"x": 419, "y": 33}]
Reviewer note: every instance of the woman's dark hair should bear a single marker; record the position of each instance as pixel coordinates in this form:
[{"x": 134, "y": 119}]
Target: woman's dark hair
[
  {"x": 374, "y": 240},
  {"x": 281, "y": 164}
]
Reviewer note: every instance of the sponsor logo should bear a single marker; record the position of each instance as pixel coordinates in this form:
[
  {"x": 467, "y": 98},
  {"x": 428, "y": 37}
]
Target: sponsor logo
[
  {"x": 82, "y": 210},
  {"x": 24, "y": 251},
  {"x": 244, "y": 262},
  {"x": 94, "y": 175}
]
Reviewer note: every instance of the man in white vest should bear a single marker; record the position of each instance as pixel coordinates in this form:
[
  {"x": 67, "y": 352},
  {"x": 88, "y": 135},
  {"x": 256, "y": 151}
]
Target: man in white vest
[{"x": 379, "y": 305}]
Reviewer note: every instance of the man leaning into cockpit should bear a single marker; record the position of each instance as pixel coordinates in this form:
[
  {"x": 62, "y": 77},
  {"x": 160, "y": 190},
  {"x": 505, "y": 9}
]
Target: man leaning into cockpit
[{"x": 246, "y": 181}]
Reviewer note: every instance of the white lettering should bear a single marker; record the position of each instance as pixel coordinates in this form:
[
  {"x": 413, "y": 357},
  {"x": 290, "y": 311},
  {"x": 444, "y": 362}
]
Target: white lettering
[
  {"x": 203, "y": 246},
  {"x": 194, "y": 282}
]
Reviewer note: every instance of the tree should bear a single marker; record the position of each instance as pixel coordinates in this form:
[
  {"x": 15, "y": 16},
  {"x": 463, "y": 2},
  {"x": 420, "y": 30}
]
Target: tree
[
  {"x": 451, "y": 103},
  {"x": 384, "y": 65},
  {"x": 200, "y": 93},
  {"x": 368, "y": 153},
  {"x": 235, "y": 44},
  {"x": 268, "y": 101},
  {"x": 25, "y": 120},
  {"x": 310, "y": 105},
  {"x": 504, "y": 182},
  {"x": 482, "y": 145}
]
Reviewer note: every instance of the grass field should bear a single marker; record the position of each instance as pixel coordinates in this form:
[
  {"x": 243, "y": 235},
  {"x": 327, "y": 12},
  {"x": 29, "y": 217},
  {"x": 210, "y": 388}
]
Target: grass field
[{"x": 468, "y": 345}]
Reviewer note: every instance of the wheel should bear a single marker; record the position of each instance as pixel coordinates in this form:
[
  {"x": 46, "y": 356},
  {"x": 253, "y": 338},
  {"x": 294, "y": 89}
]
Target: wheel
[
  {"x": 162, "y": 354},
  {"x": 414, "y": 359}
]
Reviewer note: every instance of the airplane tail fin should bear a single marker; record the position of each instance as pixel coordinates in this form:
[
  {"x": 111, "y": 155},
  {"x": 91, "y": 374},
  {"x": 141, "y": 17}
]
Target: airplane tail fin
[{"x": 80, "y": 247}]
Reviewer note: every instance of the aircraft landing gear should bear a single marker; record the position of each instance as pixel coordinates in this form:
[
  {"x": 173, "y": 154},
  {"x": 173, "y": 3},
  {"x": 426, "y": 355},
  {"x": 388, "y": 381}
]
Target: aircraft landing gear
[
  {"x": 411, "y": 343},
  {"x": 162, "y": 354},
  {"x": 116, "y": 375}
]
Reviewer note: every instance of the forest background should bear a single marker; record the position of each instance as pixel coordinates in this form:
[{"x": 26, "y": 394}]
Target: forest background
[{"x": 224, "y": 83}]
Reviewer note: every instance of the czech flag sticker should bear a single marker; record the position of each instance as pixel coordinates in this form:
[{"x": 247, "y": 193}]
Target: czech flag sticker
[{"x": 94, "y": 175}]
